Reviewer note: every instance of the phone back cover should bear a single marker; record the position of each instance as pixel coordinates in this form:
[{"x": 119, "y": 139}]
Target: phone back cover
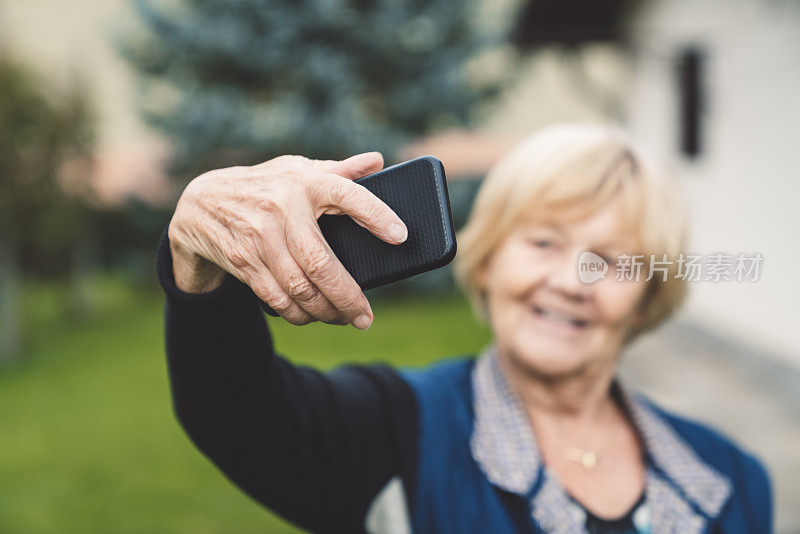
[{"x": 416, "y": 190}]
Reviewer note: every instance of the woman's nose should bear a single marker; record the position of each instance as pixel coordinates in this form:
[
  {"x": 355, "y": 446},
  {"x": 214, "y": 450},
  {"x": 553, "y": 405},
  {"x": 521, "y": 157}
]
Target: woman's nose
[{"x": 563, "y": 277}]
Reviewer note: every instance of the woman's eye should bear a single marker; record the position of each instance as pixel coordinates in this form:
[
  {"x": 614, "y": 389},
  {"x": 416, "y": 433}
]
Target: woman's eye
[{"x": 541, "y": 243}]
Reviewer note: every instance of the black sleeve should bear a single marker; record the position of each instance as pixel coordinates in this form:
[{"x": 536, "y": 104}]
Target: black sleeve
[{"x": 314, "y": 447}]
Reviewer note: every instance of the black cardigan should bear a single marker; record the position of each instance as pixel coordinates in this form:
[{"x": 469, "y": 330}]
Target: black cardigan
[{"x": 314, "y": 447}]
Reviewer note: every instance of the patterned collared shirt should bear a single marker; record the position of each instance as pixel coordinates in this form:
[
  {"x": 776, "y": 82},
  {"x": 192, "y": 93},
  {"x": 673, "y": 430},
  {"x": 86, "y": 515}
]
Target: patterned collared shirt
[{"x": 681, "y": 490}]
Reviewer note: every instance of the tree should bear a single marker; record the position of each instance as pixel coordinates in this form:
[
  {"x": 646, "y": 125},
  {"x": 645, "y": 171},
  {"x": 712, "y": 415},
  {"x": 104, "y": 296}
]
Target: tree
[
  {"x": 42, "y": 133},
  {"x": 240, "y": 81}
]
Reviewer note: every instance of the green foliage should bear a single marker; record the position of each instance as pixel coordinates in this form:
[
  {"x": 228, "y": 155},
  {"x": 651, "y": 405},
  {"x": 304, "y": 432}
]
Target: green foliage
[
  {"x": 45, "y": 135},
  {"x": 241, "y": 81},
  {"x": 126, "y": 237},
  {"x": 90, "y": 443}
]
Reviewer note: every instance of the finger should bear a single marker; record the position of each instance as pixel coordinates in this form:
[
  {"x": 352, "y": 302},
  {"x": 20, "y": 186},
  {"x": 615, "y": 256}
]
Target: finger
[
  {"x": 297, "y": 285},
  {"x": 352, "y": 167},
  {"x": 335, "y": 195},
  {"x": 266, "y": 288},
  {"x": 323, "y": 268}
]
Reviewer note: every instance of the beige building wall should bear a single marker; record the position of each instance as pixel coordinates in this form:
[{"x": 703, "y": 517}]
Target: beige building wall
[{"x": 744, "y": 188}]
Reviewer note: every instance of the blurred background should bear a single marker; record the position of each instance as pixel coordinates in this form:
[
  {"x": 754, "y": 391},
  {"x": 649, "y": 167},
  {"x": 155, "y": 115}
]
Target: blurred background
[{"x": 109, "y": 107}]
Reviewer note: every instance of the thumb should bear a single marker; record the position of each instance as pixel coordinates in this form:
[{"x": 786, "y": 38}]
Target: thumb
[{"x": 353, "y": 167}]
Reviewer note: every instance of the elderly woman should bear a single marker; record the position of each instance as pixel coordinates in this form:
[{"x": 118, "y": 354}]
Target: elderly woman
[{"x": 534, "y": 434}]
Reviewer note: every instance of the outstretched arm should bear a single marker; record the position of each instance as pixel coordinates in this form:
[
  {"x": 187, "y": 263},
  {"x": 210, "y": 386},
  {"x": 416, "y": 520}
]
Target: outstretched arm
[{"x": 314, "y": 447}]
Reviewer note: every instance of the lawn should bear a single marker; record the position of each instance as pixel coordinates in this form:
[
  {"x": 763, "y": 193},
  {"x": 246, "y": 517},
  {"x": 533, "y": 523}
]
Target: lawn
[{"x": 88, "y": 441}]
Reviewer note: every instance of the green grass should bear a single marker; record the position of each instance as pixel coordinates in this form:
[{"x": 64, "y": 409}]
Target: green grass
[{"x": 88, "y": 440}]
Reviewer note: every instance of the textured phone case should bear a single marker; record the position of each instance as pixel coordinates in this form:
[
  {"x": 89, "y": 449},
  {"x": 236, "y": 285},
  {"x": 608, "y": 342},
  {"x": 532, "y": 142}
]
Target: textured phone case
[{"x": 417, "y": 192}]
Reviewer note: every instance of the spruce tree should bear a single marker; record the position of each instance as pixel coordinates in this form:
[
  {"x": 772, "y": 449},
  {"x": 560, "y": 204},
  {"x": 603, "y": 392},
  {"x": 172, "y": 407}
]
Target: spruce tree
[
  {"x": 241, "y": 81},
  {"x": 46, "y": 135}
]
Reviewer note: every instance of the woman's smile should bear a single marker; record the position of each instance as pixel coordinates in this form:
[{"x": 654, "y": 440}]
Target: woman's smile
[{"x": 557, "y": 321}]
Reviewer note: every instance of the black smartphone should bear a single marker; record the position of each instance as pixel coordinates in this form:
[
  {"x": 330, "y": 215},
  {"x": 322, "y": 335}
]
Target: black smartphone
[{"x": 417, "y": 192}]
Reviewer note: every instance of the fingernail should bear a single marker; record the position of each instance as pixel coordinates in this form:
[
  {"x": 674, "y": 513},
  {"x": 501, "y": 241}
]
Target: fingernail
[
  {"x": 398, "y": 232},
  {"x": 362, "y": 322}
]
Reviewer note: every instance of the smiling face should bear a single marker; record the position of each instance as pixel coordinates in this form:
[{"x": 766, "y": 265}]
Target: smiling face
[{"x": 545, "y": 319}]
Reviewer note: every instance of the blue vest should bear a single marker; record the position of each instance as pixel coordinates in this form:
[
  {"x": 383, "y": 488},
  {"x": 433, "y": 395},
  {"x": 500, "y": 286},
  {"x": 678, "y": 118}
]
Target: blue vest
[{"x": 452, "y": 493}]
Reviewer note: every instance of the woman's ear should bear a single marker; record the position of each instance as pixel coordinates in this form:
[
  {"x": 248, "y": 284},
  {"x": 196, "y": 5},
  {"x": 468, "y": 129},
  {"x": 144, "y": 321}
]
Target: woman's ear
[
  {"x": 639, "y": 316},
  {"x": 482, "y": 275}
]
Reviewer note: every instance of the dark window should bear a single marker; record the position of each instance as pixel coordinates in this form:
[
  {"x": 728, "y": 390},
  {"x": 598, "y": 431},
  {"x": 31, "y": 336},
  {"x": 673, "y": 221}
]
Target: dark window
[{"x": 690, "y": 73}]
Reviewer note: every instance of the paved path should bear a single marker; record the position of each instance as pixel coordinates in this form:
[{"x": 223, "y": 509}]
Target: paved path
[{"x": 746, "y": 394}]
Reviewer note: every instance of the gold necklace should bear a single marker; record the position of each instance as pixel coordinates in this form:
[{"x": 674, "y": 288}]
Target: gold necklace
[{"x": 587, "y": 459}]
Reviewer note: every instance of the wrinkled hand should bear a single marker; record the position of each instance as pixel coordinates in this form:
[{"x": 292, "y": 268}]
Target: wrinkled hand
[{"x": 259, "y": 224}]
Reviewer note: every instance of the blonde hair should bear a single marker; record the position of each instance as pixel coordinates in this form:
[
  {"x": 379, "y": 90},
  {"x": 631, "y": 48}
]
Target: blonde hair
[{"x": 567, "y": 172}]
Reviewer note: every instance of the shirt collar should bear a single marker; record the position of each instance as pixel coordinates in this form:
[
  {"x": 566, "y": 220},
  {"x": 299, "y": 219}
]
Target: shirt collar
[{"x": 503, "y": 445}]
